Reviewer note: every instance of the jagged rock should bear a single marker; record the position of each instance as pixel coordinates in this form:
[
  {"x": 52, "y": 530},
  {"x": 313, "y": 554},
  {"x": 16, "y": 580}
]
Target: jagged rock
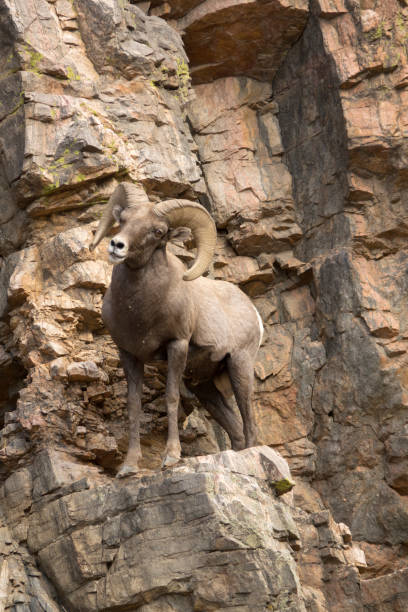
[
  {"x": 386, "y": 593},
  {"x": 212, "y": 525},
  {"x": 26, "y": 277},
  {"x": 85, "y": 371},
  {"x": 88, "y": 274},
  {"x": 296, "y": 142},
  {"x": 353, "y": 227},
  {"x": 247, "y": 181}
]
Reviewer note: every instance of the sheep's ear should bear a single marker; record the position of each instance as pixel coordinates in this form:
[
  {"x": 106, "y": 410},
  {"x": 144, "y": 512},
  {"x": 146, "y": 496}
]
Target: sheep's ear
[
  {"x": 116, "y": 211},
  {"x": 179, "y": 234}
]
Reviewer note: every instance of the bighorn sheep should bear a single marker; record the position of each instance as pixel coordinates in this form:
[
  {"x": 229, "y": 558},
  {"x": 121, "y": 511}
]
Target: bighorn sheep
[{"x": 154, "y": 308}]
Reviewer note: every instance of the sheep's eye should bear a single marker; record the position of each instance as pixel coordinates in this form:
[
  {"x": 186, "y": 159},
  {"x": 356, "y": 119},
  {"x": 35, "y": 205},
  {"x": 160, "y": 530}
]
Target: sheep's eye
[{"x": 158, "y": 232}]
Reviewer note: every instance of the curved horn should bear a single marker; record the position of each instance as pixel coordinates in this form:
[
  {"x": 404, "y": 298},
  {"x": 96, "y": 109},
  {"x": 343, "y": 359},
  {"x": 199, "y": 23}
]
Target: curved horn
[
  {"x": 125, "y": 194},
  {"x": 195, "y": 217}
]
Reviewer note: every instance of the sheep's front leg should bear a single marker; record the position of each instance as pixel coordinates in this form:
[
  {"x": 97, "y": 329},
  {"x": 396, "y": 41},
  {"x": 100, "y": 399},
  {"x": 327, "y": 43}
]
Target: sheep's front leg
[
  {"x": 134, "y": 375},
  {"x": 176, "y": 357}
]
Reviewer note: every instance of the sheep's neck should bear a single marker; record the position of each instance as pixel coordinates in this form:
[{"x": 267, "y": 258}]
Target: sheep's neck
[
  {"x": 137, "y": 300},
  {"x": 151, "y": 278}
]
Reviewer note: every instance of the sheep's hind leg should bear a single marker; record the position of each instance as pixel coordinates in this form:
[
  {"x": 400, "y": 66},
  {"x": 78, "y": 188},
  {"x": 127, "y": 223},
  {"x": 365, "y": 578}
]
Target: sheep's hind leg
[
  {"x": 134, "y": 376},
  {"x": 176, "y": 357},
  {"x": 240, "y": 368},
  {"x": 219, "y": 408}
]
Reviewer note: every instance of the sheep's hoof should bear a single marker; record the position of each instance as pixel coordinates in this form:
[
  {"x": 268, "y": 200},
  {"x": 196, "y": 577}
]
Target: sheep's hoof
[
  {"x": 127, "y": 470},
  {"x": 169, "y": 461}
]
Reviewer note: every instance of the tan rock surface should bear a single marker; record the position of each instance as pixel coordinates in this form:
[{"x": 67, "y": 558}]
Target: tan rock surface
[{"x": 249, "y": 186}]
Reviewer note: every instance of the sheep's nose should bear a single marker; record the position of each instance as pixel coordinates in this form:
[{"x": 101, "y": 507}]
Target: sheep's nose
[{"x": 118, "y": 245}]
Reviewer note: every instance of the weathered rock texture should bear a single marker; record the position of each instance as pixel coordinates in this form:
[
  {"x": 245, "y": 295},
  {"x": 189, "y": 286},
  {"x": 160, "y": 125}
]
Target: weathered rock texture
[
  {"x": 294, "y": 135},
  {"x": 208, "y": 535},
  {"x": 343, "y": 83}
]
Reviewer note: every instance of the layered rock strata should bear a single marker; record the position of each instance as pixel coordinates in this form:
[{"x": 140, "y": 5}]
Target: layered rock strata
[{"x": 294, "y": 137}]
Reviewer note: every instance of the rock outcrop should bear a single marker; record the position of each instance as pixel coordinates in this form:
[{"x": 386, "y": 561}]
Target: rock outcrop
[
  {"x": 213, "y": 533},
  {"x": 287, "y": 120}
]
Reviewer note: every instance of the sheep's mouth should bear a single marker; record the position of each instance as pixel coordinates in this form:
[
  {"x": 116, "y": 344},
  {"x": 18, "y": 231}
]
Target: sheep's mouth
[{"x": 115, "y": 259}]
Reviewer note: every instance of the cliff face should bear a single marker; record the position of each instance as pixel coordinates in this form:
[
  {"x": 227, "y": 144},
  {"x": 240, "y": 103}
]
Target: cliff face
[{"x": 287, "y": 120}]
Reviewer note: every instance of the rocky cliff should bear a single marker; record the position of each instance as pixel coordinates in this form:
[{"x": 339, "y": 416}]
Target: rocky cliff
[{"x": 288, "y": 120}]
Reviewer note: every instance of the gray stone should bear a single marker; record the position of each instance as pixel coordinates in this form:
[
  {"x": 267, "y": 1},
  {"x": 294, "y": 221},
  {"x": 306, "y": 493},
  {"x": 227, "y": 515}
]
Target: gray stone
[{"x": 213, "y": 525}]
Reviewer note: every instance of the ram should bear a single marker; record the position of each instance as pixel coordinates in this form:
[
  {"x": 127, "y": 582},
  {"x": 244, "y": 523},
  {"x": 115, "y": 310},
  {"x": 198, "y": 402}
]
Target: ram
[{"x": 156, "y": 309}]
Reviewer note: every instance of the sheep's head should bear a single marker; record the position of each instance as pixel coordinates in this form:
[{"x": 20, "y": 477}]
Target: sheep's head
[
  {"x": 145, "y": 227},
  {"x": 141, "y": 232}
]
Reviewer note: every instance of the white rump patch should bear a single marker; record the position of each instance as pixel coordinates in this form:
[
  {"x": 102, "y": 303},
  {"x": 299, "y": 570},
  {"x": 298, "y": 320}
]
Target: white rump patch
[{"x": 261, "y": 327}]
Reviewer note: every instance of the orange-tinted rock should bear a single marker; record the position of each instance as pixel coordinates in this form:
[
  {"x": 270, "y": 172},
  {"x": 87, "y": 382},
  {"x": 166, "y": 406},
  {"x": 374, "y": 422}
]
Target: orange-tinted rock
[
  {"x": 226, "y": 38},
  {"x": 239, "y": 142}
]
